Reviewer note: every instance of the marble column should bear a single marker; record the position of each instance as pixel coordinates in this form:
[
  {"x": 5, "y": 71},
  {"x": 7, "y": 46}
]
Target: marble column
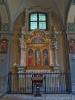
[
  {"x": 22, "y": 51},
  {"x": 65, "y": 55},
  {"x": 51, "y": 52}
]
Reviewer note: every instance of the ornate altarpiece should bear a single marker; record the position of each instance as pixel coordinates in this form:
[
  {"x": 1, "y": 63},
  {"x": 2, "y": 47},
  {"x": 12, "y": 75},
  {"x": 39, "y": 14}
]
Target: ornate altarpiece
[{"x": 38, "y": 50}]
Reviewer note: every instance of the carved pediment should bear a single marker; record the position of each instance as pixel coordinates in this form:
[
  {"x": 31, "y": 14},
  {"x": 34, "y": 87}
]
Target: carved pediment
[{"x": 37, "y": 37}]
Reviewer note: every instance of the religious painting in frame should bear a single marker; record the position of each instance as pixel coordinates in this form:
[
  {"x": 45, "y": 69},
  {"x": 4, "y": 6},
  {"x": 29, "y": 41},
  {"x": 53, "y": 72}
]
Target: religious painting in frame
[
  {"x": 37, "y": 57},
  {"x": 45, "y": 57},
  {"x": 30, "y": 57},
  {"x": 3, "y": 45}
]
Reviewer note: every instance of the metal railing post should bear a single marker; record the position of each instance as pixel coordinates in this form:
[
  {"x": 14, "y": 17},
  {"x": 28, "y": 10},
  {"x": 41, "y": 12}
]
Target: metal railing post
[{"x": 9, "y": 82}]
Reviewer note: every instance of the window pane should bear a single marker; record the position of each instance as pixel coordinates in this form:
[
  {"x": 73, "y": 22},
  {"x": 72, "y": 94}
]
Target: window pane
[
  {"x": 33, "y": 25},
  {"x": 33, "y": 17},
  {"x": 42, "y": 17},
  {"x": 42, "y": 25}
]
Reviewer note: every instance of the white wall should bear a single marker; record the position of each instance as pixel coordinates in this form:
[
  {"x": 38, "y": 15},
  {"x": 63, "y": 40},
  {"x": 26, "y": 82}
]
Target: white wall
[{"x": 71, "y": 14}]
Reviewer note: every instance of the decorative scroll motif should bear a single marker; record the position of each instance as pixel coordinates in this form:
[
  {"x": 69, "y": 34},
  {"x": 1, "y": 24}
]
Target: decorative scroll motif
[
  {"x": 5, "y": 27},
  {"x": 38, "y": 40},
  {"x": 38, "y": 47},
  {"x": 3, "y": 45},
  {"x": 37, "y": 37},
  {"x": 71, "y": 28}
]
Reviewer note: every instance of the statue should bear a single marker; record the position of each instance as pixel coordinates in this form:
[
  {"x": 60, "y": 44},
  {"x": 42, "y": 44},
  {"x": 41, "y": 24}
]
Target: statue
[
  {"x": 45, "y": 54},
  {"x": 22, "y": 47},
  {"x": 30, "y": 57},
  {"x": 37, "y": 57}
]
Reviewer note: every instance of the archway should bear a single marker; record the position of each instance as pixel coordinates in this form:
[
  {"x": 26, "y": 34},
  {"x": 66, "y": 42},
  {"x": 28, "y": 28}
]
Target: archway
[{"x": 33, "y": 51}]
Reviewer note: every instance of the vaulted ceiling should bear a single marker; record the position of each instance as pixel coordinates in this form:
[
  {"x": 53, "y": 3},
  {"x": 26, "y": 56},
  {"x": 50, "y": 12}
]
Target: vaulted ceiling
[{"x": 60, "y": 7}]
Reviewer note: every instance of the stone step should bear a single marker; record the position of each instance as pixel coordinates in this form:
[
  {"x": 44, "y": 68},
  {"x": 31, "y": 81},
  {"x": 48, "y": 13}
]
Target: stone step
[{"x": 43, "y": 97}]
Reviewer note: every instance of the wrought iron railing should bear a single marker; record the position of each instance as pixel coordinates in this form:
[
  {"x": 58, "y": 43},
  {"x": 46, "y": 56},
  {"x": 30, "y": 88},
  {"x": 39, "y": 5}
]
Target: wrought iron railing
[
  {"x": 3, "y": 84},
  {"x": 22, "y": 83}
]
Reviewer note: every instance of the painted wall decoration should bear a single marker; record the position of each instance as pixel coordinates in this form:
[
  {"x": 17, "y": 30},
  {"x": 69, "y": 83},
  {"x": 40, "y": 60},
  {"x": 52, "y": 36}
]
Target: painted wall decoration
[
  {"x": 45, "y": 54},
  {"x": 38, "y": 40},
  {"x": 37, "y": 57},
  {"x": 38, "y": 45},
  {"x": 30, "y": 57},
  {"x": 72, "y": 46},
  {"x": 3, "y": 45},
  {"x": 71, "y": 28}
]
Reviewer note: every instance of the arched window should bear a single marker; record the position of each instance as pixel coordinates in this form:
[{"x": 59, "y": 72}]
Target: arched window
[{"x": 38, "y": 21}]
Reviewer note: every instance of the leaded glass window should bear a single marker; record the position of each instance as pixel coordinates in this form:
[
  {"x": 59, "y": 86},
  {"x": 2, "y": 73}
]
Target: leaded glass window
[{"x": 38, "y": 21}]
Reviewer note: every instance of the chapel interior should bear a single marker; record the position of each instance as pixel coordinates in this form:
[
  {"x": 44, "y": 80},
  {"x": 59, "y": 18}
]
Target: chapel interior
[{"x": 35, "y": 48}]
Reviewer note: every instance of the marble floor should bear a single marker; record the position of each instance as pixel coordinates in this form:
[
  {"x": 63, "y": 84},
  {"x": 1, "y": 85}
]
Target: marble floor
[{"x": 43, "y": 97}]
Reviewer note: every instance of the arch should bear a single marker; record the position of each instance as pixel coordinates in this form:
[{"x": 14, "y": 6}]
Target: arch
[
  {"x": 16, "y": 35},
  {"x": 5, "y": 16},
  {"x": 70, "y": 14},
  {"x": 67, "y": 11},
  {"x": 57, "y": 21},
  {"x": 19, "y": 22},
  {"x": 8, "y": 12}
]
